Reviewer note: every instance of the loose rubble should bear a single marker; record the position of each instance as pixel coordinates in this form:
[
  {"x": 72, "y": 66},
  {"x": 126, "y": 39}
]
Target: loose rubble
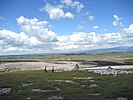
[
  {"x": 110, "y": 71},
  {"x": 93, "y": 85},
  {"x": 95, "y": 94},
  {"x": 55, "y": 98},
  {"x": 58, "y": 89},
  {"x": 82, "y": 78},
  {"x": 26, "y": 84},
  {"x": 28, "y": 98},
  {"x": 66, "y": 81},
  {"x": 38, "y": 66},
  {"x": 5, "y": 90},
  {"x": 121, "y": 98},
  {"x": 40, "y": 90}
]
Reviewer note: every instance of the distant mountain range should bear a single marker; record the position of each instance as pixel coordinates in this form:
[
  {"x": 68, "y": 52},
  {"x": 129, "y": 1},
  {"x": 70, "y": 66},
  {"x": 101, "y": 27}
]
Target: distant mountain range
[{"x": 105, "y": 50}]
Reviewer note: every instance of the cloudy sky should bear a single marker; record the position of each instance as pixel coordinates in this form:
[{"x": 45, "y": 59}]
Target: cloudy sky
[{"x": 45, "y": 26}]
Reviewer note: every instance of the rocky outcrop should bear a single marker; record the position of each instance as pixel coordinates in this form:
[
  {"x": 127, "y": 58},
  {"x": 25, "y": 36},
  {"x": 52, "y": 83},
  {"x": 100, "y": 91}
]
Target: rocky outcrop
[
  {"x": 110, "y": 71},
  {"x": 4, "y": 90},
  {"x": 36, "y": 66}
]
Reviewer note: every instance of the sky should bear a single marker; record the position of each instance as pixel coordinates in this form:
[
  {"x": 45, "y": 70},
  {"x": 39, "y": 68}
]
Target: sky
[{"x": 48, "y": 26}]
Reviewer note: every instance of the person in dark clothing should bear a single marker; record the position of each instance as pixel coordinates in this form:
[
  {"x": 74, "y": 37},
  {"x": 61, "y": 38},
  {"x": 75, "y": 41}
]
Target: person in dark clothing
[
  {"x": 45, "y": 69},
  {"x": 53, "y": 69}
]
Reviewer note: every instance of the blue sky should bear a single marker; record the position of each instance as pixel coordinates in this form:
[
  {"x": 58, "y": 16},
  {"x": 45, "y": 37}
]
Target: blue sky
[{"x": 64, "y": 25}]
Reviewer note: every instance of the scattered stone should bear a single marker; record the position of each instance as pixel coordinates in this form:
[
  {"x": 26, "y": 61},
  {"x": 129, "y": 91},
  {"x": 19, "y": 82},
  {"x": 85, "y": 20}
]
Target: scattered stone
[
  {"x": 26, "y": 84},
  {"x": 19, "y": 91},
  {"x": 55, "y": 98},
  {"x": 66, "y": 81},
  {"x": 121, "y": 98},
  {"x": 69, "y": 81},
  {"x": 83, "y": 85},
  {"x": 2, "y": 70},
  {"x": 5, "y": 90},
  {"x": 40, "y": 90},
  {"x": 95, "y": 94},
  {"x": 82, "y": 78},
  {"x": 92, "y": 81},
  {"x": 110, "y": 71},
  {"x": 58, "y": 89},
  {"x": 27, "y": 98},
  {"x": 58, "y": 83},
  {"x": 93, "y": 85},
  {"x": 68, "y": 59}
]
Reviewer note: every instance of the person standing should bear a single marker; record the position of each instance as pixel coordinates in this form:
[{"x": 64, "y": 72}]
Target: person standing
[
  {"x": 45, "y": 69},
  {"x": 53, "y": 69}
]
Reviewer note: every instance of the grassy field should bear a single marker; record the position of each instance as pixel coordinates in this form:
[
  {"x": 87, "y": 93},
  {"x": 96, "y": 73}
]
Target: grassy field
[{"x": 70, "y": 85}]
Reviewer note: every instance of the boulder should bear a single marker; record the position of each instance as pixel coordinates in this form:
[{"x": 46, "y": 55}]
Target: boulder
[{"x": 5, "y": 90}]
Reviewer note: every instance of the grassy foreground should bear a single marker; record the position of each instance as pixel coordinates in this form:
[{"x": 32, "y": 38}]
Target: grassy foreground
[{"x": 71, "y": 85}]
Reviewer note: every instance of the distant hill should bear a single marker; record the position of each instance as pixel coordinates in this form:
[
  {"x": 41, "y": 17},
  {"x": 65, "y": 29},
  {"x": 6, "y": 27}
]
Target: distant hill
[{"x": 106, "y": 50}]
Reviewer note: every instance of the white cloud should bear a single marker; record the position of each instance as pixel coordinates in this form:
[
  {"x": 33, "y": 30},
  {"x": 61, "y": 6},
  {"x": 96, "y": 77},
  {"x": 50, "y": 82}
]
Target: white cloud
[
  {"x": 79, "y": 6},
  {"x": 79, "y": 27},
  {"x": 33, "y": 21},
  {"x": 2, "y": 18},
  {"x": 105, "y": 30},
  {"x": 117, "y": 21},
  {"x": 37, "y": 38},
  {"x": 36, "y": 29},
  {"x": 91, "y": 18},
  {"x": 117, "y": 18},
  {"x": 129, "y": 29},
  {"x": 128, "y": 32},
  {"x": 88, "y": 41},
  {"x": 12, "y": 39},
  {"x": 56, "y": 12},
  {"x": 69, "y": 15},
  {"x": 19, "y": 43},
  {"x": 95, "y": 27}
]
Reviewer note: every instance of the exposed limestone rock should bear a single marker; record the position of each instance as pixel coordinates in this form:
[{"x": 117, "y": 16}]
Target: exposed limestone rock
[
  {"x": 93, "y": 85},
  {"x": 55, "y": 98},
  {"x": 121, "y": 98},
  {"x": 110, "y": 71},
  {"x": 5, "y": 90},
  {"x": 26, "y": 84},
  {"x": 94, "y": 94},
  {"x": 40, "y": 90}
]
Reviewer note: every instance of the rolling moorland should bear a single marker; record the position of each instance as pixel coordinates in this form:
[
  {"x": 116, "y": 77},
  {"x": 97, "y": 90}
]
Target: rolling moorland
[{"x": 28, "y": 80}]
